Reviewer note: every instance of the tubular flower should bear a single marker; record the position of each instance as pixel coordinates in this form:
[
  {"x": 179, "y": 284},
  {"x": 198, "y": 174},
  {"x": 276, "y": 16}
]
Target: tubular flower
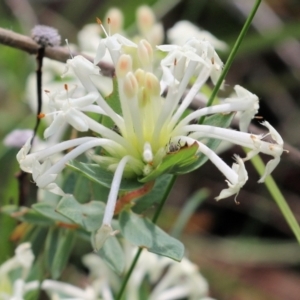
[
  {"x": 17, "y": 286},
  {"x": 144, "y": 134}
]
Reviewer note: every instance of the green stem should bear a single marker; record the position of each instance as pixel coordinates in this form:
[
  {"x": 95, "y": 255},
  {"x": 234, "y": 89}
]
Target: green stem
[
  {"x": 154, "y": 220},
  {"x": 278, "y": 197},
  {"x": 232, "y": 56}
]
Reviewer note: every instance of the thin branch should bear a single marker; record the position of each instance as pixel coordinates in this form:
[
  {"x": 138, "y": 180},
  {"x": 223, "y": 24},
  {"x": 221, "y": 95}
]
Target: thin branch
[{"x": 27, "y": 44}]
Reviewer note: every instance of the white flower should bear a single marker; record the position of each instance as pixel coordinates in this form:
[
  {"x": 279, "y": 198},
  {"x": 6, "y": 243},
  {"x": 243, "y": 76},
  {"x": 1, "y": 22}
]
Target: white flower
[
  {"x": 184, "y": 30},
  {"x": 170, "y": 279},
  {"x": 63, "y": 291},
  {"x": 147, "y": 123},
  {"x": 101, "y": 282},
  {"x": 22, "y": 261},
  {"x": 114, "y": 44}
]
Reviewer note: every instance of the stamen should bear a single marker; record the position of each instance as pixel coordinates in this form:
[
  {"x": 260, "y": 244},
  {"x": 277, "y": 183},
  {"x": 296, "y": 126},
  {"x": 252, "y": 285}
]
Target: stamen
[
  {"x": 108, "y": 23},
  {"x": 70, "y": 52},
  {"x": 102, "y": 27},
  {"x": 41, "y": 115}
]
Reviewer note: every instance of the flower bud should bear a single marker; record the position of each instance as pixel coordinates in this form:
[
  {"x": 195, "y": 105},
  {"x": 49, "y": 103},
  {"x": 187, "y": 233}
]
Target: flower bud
[
  {"x": 130, "y": 85},
  {"x": 145, "y": 19},
  {"x": 152, "y": 84},
  {"x": 116, "y": 20},
  {"x": 124, "y": 65},
  {"x": 145, "y": 53},
  {"x": 156, "y": 34},
  {"x": 140, "y": 76}
]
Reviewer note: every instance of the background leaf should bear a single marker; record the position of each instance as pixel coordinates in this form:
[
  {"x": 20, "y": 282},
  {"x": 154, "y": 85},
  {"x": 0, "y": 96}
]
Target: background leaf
[{"x": 66, "y": 238}]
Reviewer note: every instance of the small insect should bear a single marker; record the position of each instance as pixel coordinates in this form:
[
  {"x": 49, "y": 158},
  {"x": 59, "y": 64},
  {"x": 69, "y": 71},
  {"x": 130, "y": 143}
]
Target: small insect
[
  {"x": 116, "y": 129},
  {"x": 173, "y": 147}
]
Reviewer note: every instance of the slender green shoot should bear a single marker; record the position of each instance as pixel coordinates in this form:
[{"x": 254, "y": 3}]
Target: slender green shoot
[
  {"x": 232, "y": 56},
  {"x": 189, "y": 208},
  {"x": 278, "y": 197}
]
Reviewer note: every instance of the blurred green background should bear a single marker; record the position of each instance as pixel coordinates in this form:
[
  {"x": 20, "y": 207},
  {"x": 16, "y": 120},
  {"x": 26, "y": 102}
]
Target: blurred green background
[{"x": 246, "y": 251}]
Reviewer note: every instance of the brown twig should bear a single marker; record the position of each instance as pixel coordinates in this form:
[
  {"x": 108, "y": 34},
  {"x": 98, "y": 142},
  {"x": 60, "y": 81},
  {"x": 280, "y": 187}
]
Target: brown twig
[{"x": 27, "y": 44}]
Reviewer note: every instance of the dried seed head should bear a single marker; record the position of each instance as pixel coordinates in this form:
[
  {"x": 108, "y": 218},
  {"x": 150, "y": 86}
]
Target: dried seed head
[{"x": 45, "y": 36}]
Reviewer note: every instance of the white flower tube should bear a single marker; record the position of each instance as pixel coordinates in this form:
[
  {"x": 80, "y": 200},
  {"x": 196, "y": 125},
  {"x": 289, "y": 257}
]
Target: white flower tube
[{"x": 106, "y": 230}]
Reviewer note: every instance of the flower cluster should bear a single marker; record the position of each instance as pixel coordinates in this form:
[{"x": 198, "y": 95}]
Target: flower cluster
[
  {"x": 140, "y": 127},
  {"x": 15, "y": 286},
  {"x": 169, "y": 279}
]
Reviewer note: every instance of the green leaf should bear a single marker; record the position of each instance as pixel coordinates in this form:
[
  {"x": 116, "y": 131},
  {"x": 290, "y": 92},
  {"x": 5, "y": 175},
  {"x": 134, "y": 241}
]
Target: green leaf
[
  {"x": 26, "y": 215},
  {"x": 36, "y": 218},
  {"x": 51, "y": 246},
  {"x": 79, "y": 186},
  {"x": 155, "y": 196},
  {"x": 172, "y": 162},
  {"x": 48, "y": 210},
  {"x": 64, "y": 247},
  {"x": 101, "y": 176},
  {"x": 113, "y": 254},
  {"x": 89, "y": 215},
  {"x": 143, "y": 233},
  {"x": 36, "y": 236}
]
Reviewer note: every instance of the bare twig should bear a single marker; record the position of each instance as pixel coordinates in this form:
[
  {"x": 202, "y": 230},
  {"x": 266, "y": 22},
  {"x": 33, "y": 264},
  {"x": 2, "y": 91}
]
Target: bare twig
[{"x": 27, "y": 44}]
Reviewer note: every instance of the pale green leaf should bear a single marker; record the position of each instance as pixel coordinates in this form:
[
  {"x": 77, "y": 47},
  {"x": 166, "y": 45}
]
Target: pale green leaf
[
  {"x": 113, "y": 254},
  {"x": 101, "y": 176},
  {"x": 143, "y": 233},
  {"x": 48, "y": 210},
  {"x": 89, "y": 215},
  {"x": 155, "y": 196},
  {"x": 65, "y": 243}
]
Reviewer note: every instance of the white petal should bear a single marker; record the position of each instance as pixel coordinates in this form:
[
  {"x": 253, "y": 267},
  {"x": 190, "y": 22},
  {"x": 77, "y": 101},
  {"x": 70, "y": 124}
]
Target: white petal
[
  {"x": 166, "y": 48},
  {"x": 124, "y": 41},
  {"x": 74, "y": 118},
  {"x": 58, "y": 121},
  {"x": 234, "y": 187},
  {"x": 24, "y": 150},
  {"x": 24, "y": 255},
  {"x": 100, "y": 51},
  {"x": 55, "y": 189}
]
